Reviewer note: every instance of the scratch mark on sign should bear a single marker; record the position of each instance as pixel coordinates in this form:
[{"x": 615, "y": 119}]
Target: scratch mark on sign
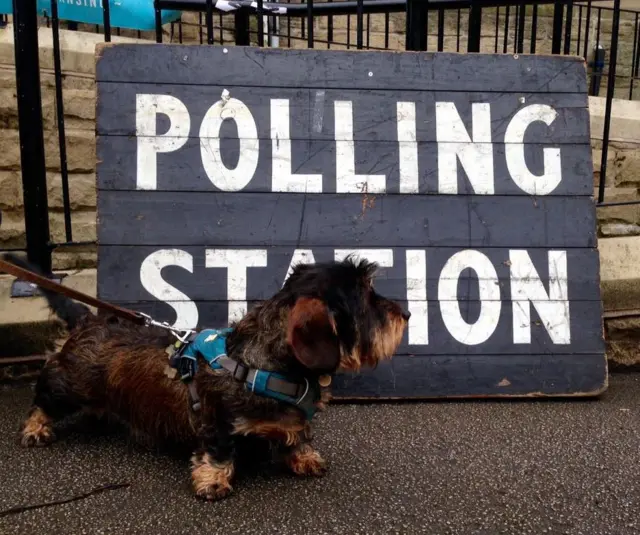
[
  {"x": 367, "y": 201},
  {"x": 504, "y": 382},
  {"x": 318, "y": 111}
]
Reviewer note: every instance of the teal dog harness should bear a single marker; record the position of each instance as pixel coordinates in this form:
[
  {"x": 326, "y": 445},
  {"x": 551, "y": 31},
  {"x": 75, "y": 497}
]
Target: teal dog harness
[{"x": 210, "y": 344}]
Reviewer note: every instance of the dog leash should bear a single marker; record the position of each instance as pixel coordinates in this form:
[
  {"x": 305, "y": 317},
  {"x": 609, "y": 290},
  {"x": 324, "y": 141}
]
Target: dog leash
[{"x": 138, "y": 318}]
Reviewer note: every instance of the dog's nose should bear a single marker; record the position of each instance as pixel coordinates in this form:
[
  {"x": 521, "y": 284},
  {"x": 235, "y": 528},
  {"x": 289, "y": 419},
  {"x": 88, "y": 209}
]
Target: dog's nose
[{"x": 406, "y": 315}]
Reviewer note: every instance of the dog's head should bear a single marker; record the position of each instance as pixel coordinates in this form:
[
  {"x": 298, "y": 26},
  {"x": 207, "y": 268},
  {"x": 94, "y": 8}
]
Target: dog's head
[{"x": 337, "y": 320}]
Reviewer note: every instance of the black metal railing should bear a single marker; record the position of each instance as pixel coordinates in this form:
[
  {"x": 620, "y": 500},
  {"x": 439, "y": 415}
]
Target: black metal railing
[{"x": 587, "y": 29}]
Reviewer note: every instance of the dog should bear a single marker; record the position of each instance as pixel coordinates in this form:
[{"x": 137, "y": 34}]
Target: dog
[{"x": 326, "y": 319}]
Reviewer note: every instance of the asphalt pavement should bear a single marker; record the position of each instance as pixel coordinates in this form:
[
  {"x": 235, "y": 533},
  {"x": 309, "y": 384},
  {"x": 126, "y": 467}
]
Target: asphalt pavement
[{"x": 476, "y": 467}]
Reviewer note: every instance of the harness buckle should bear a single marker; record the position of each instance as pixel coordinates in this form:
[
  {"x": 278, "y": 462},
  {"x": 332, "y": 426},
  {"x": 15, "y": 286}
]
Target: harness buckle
[{"x": 240, "y": 372}]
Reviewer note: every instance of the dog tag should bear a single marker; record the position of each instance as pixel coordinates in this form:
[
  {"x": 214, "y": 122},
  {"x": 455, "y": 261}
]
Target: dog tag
[
  {"x": 170, "y": 372},
  {"x": 324, "y": 380}
]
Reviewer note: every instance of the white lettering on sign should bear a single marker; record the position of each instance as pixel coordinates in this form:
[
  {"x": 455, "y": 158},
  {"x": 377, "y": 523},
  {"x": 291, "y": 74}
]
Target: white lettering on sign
[
  {"x": 489, "y": 293},
  {"x": 347, "y": 181},
  {"x": 300, "y": 256},
  {"x": 456, "y": 147},
  {"x": 152, "y": 281},
  {"x": 149, "y": 142},
  {"x": 514, "y": 151},
  {"x": 283, "y": 177},
  {"x": 236, "y": 261},
  {"x": 407, "y": 147},
  {"x": 528, "y": 289},
  {"x": 454, "y": 143},
  {"x": 220, "y": 175},
  {"x": 418, "y": 327}
]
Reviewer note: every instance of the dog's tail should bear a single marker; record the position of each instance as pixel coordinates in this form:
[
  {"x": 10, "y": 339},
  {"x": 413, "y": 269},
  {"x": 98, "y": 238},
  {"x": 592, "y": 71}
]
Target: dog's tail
[{"x": 69, "y": 311}]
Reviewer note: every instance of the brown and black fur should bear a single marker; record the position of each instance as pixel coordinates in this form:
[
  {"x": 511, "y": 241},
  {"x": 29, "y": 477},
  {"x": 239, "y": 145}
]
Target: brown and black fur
[{"x": 327, "y": 318}]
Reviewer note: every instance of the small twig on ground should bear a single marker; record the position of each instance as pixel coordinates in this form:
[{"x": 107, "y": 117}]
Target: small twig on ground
[{"x": 97, "y": 490}]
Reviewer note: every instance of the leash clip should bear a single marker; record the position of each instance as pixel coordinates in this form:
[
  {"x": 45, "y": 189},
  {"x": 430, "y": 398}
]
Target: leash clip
[{"x": 180, "y": 334}]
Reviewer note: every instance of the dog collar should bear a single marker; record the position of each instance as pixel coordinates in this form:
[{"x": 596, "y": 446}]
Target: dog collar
[{"x": 211, "y": 344}]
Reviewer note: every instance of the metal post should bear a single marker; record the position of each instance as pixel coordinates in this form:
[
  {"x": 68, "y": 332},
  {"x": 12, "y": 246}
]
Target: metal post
[
  {"x": 475, "y": 27},
  {"x": 611, "y": 85},
  {"x": 243, "y": 37},
  {"x": 416, "y": 38},
  {"x": 556, "y": 39},
  {"x": 34, "y": 176}
]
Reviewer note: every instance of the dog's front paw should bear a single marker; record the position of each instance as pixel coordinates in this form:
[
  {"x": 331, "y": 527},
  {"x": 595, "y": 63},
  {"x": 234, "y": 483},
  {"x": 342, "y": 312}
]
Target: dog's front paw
[
  {"x": 305, "y": 461},
  {"x": 37, "y": 430},
  {"x": 211, "y": 480}
]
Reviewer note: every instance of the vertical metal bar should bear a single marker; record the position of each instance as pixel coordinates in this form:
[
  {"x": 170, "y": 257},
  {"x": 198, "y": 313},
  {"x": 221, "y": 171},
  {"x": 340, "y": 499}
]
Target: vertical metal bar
[
  {"x": 495, "y": 47},
  {"x": 158, "y": 13},
  {"x": 57, "y": 70},
  {"x": 368, "y": 30},
  {"x": 180, "y": 31},
  {"x": 241, "y": 23},
  {"x": 440, "y": 30},
  {"x": 260, "y": 24},
  {"x": 516, "y": 27},
  {"x": 209, "y": 20},
  {"x": 475, "y": 27},
  {"x": 521, "y": 20},
  {"x": 534, "y": 29},
  {"x": 386, "y": 30},
  {"x": 330, "y": 29},
  {"x": 587, "y": 26},
  {"x": 348, "y": 32},
  {"x": 556, "y": 38},
  {"x": 289, "y": 32},
  {"x": 458, "y": 30},
  {"x": 506, "y": 30},
  {"x": 579, "y": 37},
  {"x": 30, "y": 125},
  {"x": 633, "y": 58},
  {"x": 310, "y": 23},
  {"x": 611, "y": 85},
  {"x": 221, "y": 29},
  {"x": 598, "y": 28},
  {"x": 636, "y": 67},
  {"x": 567, "y": 27},
  {"x": 359, "y": 23},
  {"x": 416, "y": 32},
  {"x": 106, "y": 20}
]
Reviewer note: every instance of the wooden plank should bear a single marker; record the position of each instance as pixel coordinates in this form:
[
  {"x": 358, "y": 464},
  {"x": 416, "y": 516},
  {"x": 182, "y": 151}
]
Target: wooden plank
[
  {"x": 487, "y": 375},
  {"x": 258, "y": 219},
  {"x": 338, "y": 69},
  {"x": 122, "y": 280},
  {"x": 183, "y": 169},
  {"x": 312, "y": 112},
  {"x": 585, "y": 327}
]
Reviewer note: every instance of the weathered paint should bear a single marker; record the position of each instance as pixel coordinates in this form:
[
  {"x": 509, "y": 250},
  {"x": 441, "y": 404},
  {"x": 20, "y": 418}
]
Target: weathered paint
[{"x": 467, "y": 178}]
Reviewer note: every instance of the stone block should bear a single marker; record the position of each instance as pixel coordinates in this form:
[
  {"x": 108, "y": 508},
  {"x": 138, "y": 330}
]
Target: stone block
[
  {"x": 80, "y": 104},
  {"x": 9, "y": 149},
  {"x": 10, "y": 190},
  {"x": 12, "y": 231},
  {"x": 609, "y": 230},
  {"x": 83, "y": 226},
  {"x": 75, "y": 259},
  {"x": 627, "y": 167},
  {"x": 81, "y": 150},
  {"x": 82, "y": 190}
]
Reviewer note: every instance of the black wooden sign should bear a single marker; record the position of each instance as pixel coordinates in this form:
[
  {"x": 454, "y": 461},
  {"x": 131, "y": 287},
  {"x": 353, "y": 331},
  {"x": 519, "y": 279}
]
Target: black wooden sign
[{"x": 468, "y": 178}]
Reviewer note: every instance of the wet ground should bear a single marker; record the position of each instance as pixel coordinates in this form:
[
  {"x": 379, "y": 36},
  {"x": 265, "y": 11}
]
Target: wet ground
[{"x": 439, "y": 468}]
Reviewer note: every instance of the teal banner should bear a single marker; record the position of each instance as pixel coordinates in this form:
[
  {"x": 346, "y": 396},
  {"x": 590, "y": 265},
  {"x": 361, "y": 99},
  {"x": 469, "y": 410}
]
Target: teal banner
[{"x": 130, "y": 14}]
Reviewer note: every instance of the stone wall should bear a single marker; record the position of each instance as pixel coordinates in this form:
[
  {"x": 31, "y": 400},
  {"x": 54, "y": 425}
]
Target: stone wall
[{"x": 79, "y": 114}]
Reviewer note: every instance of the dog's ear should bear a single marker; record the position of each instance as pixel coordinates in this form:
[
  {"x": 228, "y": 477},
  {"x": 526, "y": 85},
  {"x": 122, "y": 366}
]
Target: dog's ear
[{"x": 311, "y": 333}]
